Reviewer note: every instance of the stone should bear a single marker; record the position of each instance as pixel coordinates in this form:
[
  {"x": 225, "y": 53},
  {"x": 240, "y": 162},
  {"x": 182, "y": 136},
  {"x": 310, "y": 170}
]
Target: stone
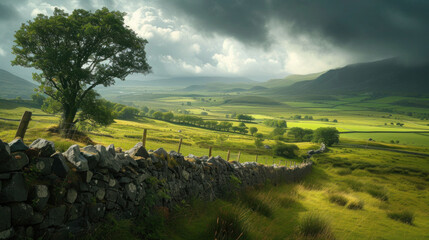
[
  {"x": 39, "y": 196},
  {"x": 4, "y": 151},
  {"x": 22, "y": 214},
  {"x": 111, "y": 149},
  {"x": 87, "y": 176},
  {"x": 7, "y": 234},
  {"x": 17, "y": 145},
  {"x": 138, "y": 151},
  {"x": 130, "y": 190},
  {"x": 107, "y": 160},
  {"x": 44, "y": 165},
  {"x": 16, "y": 162},
  {"x": 111, "y": 195},
  {"x": 125, "y": 159},
  {"x": 112, "y": 182},
  {"x": 185, "y": 175},
  {"x": 100, "y": 194},
  {"x": 55, "y": 217},
  {"x": 71, "y": 195},
  {"x": 74, "y": 156},
  {"x": 267, "y": 147},
  {"x": 6, "y": 218},
  {"x": 161, "y": 153},
  {"x": 46, "y": 148},
  {"x": 96, "y": 212},
  {"x": 123, "y": 180},
  {"x": 59, "y": 165},
  {"x": 92, "y": 155},
  {"x": 14, "y": 189}
]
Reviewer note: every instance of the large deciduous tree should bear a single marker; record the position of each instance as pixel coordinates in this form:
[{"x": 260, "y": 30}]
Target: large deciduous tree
[{"x": 76, "y": 52}]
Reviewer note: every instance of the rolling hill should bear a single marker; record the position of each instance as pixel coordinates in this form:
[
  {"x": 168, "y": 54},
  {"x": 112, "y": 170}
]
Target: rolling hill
[
  {"x": 389, "y": 77},
  {"x": 13, "y": 86},
  {"x": 184, "y": 82},
  {"x": 291, "y": 79}
]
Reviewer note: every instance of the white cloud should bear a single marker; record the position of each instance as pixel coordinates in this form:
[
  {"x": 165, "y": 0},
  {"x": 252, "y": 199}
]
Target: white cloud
[{"x": 2, "y": 52}]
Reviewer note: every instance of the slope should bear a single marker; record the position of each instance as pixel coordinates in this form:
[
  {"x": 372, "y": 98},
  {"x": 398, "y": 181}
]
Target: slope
[{"x": 13, "y": 86}]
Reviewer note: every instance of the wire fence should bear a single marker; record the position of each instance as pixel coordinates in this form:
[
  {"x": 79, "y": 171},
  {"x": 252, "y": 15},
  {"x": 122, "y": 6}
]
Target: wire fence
[{"x": 126, "y": 136}]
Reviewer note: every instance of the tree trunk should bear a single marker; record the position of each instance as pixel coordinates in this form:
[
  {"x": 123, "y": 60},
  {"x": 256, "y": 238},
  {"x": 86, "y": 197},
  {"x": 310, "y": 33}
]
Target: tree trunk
[{"x": 67, "y": 122}]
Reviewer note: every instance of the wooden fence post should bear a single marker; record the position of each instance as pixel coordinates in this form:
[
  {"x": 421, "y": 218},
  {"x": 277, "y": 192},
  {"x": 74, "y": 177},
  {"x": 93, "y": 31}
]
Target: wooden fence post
[
  {"x": 229, "y": 154},
  {"x": 23, "y": 125},
  {"x": 180, "y": 145},
  {"x": 144, "y": 137},
  {"x": 256, "y": 158},
  {"x": 238, "y": 157},
  {"x": 210, "y": 151}
]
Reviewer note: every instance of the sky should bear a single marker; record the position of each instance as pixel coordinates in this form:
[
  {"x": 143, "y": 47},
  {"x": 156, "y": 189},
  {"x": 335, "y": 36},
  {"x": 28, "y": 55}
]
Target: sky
[{"x": 257, "y": 39}]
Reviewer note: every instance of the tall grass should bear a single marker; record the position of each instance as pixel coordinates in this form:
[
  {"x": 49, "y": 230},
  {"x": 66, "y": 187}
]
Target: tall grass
[
  {"x": 404, "y": 216},
  {"x": 355, "y": 205},
  {"x": 228, "y": 226},
  {"x": 253, "y": 202},
  {"x": 338, "y": 199},
  {"x": 378, "y": 192},
  {"x": 313, "y": 226}
]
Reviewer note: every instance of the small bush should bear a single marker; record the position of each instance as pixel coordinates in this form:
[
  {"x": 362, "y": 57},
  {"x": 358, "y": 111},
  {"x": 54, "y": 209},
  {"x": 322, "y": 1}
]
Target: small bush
[
  {"x": 378, "y": 192},
  {"x": 257, "y": 205},
  {"x": 403, "y": 216},
  {"x": 355, "y": 205},
  {"x": 285, "y": 150},
  {"x": 313, "y": 225},
  {"x": 338, "y": 199},
  {"x": 228, "y": 226}
]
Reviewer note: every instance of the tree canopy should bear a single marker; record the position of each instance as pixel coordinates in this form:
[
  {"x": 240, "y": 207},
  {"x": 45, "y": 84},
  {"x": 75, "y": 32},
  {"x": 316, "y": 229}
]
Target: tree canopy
[
  {"x": 77, "y": 52},
  {"x": 326, "y": 135}
]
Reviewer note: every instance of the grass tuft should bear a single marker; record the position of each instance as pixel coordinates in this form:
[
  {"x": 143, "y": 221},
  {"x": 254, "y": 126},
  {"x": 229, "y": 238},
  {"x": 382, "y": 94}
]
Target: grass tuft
[
  {"x": 251, "y": 201},
  {"x": 228, "y": 226},
  {"x": 402, "y": 216},
  {"x": 378, "y": 192},
  {"x": 355, "y": 205},
  {"x": 355, "y": 185},
  {"x": 314, "y": 226},
  {"x": 338, "y": 199}
]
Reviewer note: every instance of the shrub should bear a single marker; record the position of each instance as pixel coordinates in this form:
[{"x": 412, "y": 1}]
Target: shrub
[
  {"x": 378, "y": 192},
  {"x": 355, "y": 205},
  {"x": 313, "y": 225},
  {"x": 338, "y": 199},
  {"x": 326, "y": 135},
  {"x": 403, "y": 216},
  {"x": 285, "y": 150}
]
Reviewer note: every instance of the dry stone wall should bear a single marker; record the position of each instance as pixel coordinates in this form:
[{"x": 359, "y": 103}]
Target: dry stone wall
[{"x": 46, "y": 194}]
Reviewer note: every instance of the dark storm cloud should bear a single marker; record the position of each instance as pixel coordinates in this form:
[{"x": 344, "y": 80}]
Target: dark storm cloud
[
  {"x": 7, "y": 12},
  {"x": 367, "y": 27}
]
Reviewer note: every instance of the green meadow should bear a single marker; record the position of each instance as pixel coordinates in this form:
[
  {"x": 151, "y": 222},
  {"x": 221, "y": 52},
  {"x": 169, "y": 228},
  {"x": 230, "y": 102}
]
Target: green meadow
[{"x": 358, "y": 193}]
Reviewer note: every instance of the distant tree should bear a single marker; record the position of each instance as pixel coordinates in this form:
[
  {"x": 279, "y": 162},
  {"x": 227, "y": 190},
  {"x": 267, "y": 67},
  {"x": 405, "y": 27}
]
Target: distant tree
[
  {"x": 157, "y": 115},
  {"x": 278, "y": 131},
  {"x": 297, "y": 117},
  {"x": 275, "y": 123},
  {"x": 77, "y": 52},
  {"x": 188, "y": 103},
  {"x": 168, "y": 116},
  {"x": 128, "y": 113},
  {"x": 145, "y": 109},
  {"x": 259, "y": 140},
  {"x": 335, "y": 120},
  {"x": 242, "y": 125},
  {"x": 245, "y": 117},
  {"x": 97, "y": 112},
  {"x": 38, "y": 99},
  {"x": 326, "y": 135},
  {"x": 51, "y": 106},
  {"x": 253, "y": 130},
  {"x": 204, "y": 113},
  {"x": 297, "y": 133}
]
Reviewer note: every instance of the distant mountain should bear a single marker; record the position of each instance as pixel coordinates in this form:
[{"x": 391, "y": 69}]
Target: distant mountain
[
  {"x": 184, "y": 82},
  {"x": 291, "y": 79},
  {"x": 388, "y": 76},
  {"x": 13, "y": 86}
]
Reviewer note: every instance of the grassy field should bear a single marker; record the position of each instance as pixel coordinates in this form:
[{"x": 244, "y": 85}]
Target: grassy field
[{"x": 359, "y": 193}]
